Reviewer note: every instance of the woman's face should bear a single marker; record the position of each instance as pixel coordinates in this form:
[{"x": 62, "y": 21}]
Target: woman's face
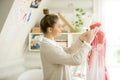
[{"x": 57, "y": 29}]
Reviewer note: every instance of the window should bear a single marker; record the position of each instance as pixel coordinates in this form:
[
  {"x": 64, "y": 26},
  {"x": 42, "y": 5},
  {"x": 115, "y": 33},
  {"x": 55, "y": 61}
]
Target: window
[{"x": 111, "y": 14}]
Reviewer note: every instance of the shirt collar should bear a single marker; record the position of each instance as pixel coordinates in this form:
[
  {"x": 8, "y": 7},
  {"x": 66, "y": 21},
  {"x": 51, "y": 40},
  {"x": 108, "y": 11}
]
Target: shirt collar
[{"x": 49, "y": 41}]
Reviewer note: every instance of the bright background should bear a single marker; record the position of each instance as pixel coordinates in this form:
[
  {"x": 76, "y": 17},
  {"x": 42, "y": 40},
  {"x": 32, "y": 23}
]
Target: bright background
[{"x": 111, "y": 15}]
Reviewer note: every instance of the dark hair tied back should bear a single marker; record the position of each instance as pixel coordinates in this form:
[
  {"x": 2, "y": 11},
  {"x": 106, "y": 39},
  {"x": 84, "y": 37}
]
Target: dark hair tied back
[
  {"x": 48, "y": 20},
  {"x": 46, "y": 11}
]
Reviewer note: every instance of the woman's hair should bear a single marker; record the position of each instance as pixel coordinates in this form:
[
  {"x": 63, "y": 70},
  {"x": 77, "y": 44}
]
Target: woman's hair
[{"x": 48, "y": 20}]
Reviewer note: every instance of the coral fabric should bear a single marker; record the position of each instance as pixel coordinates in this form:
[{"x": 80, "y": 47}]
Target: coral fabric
[{"x": 96, "y": 69}]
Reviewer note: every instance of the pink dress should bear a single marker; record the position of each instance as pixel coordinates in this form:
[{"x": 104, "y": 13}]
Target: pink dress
[{"x": 96, "y": 69}]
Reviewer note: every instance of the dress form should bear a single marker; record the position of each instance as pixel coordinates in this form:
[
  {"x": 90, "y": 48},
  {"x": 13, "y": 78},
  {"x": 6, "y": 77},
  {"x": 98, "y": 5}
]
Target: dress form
[{"x": 96, "y": 69}]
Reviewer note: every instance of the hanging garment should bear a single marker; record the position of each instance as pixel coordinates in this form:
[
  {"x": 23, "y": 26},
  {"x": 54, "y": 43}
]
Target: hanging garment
[{"x": 96, "y": 69}]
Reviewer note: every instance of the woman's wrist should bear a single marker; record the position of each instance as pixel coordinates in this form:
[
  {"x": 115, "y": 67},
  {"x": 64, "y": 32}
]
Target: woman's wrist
[
  {"x": 85, "y": 42},
  {"x": 81, "y": 40}
]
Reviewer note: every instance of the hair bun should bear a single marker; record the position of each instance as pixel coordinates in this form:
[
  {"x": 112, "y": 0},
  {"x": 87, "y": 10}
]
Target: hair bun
[{"x": 46, "y": 11}]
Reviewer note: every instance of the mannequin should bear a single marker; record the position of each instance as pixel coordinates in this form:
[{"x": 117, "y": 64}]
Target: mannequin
[{"x": 96, "y": 69}]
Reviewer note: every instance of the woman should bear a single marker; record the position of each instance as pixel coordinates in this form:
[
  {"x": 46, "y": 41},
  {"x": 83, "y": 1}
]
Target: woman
[{"x": 55, "y": 59}]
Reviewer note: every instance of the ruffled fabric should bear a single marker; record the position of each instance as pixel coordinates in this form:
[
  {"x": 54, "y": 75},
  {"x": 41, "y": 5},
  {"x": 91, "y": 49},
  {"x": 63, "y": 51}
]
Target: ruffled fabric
[{"x": 96, "y": 69}]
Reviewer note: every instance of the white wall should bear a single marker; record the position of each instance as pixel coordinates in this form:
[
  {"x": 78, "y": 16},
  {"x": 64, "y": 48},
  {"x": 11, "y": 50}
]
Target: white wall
[{"x": 13, "y": 36}]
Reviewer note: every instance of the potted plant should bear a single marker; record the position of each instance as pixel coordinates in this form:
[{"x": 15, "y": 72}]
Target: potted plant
[{"x": 78, "y": 23}]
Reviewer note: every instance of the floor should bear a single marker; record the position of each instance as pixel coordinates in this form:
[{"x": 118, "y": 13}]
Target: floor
[
  {"x": 32, "y": 61},
  {"x": 14, "y": 77}
]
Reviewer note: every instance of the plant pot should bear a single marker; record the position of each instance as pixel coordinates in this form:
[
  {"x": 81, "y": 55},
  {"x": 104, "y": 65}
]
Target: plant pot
[{"x": 78, "y": 29}]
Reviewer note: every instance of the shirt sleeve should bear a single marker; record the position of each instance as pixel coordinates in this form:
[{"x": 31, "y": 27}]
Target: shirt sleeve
[
  {"x": 58, "y": 56},
  {"x": 74, "y": 47}
]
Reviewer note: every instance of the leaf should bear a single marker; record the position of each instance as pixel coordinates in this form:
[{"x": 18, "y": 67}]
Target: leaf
[
  {"x": 76, "y": 22},
  {"x": 83, "y": 13},
  {"x": 81, "y": 10},
  {"x": 77, "y": 9},
  {"x": 81, "y": 23},
  {"x": 77, "y": 15}
]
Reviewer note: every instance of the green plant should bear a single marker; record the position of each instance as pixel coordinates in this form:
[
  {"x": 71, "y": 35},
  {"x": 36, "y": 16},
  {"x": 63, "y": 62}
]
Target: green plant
[{"x": 79, "y": 13}]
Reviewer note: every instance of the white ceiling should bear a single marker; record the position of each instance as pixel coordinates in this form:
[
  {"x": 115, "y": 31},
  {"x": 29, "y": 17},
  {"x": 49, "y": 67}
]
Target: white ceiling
[{"x": 68, "y": 5}]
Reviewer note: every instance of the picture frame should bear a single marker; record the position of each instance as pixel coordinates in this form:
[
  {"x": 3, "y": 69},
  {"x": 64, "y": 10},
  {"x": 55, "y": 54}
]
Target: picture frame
[
  {"x": 35, "y": 38},
  {"x": 34, "y": 41},
  {"x": 35, "y": 3}
]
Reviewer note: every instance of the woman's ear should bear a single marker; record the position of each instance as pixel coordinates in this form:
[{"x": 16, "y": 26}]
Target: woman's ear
[{"x": 50, "y": 29}]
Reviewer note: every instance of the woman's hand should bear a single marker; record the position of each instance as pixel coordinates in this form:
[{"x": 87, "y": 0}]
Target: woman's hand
[{"x": 89, "y": 35}]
